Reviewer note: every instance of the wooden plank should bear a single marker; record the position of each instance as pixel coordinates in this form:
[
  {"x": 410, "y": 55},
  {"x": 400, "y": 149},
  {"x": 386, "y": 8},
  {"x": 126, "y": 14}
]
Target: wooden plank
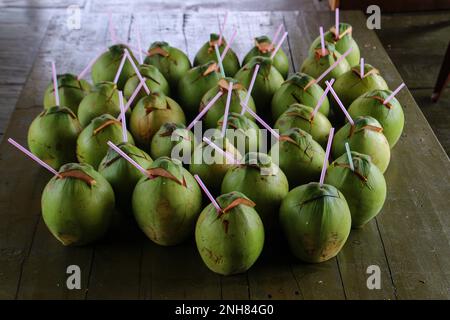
[{"x": 39, "y": 4}]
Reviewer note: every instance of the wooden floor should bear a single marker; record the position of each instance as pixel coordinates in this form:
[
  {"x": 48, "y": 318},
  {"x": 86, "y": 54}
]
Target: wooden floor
[{"x": 409, "y": 241}]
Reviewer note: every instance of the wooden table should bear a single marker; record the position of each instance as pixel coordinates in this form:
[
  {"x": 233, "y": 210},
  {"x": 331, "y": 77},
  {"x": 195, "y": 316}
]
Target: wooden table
[{"x": 409, "y": 240}]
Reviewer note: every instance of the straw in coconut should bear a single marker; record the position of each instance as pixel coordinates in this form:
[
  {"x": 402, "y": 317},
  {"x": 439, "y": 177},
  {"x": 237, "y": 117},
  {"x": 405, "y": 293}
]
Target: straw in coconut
[
  {"x": 321, "y": 99},
  {"x": 222, "y": 27},
  {"x": 275, "y": 37},
  {"x": 349, "y": 156},
  {"x": 223, "y": 152},
  {"x": 250, "y": 88},
  {"x": 208, "y": 194},
  {"x": 205, "y": 109},
  {"x": 400, "y": 87},
  {"x": 337, "y": 23},
  {"x": 127, "y": 53},
  {"x": 138, "y": 35},
  {"x": 361, "y": 65},
  {"x": 122, "y": 116},
  {"x": 119, "y": 70},
  {"x": 219, "y": 60},
  {"x": 227, "y": 47},
  {"x": 55, "y": 83},
  {"x": 133, "y": 96},
  {"x": 227, "y": 108},
  {"x": 126, "y": 157},
  {"x": 322, "y": 40},
  {"x": 327, "y": 154},
  {"x": 265, "y": 125},
  {"x": 279, "y": 45},
  {"x": 333, "y": 65},
  {"x": 349, "y": 118},
  {"x": 88, "y": 67}
]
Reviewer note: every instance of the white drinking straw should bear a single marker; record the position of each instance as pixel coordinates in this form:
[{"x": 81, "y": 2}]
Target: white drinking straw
[
  {"x": 400, "y": 87},
  {"x": 322, "y": 41},
  {"x": 205, "y": 109},
  {"x": 55, "y": 83},
  {"x": 208, "y": 194},
  {"x": 327, "y": 155},
  {"x": 362, "y": 68},
  {"x": 349, "y": 156},
  {"x": 337, "y": 22}
]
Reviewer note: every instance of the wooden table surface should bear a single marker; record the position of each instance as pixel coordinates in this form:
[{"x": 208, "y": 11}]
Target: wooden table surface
[{"x": 409, "y": 240}]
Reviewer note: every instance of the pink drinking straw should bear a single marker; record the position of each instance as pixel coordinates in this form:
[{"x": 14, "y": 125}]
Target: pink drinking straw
[
  {"x": 334, "y": 65},
  {"x": 349, "y": 156},
  {"x": 127, "y": 53},
  {"x": 208, "y": 194},
  {"x": 126, "y": 157},
  {"x": 362, "y": 68},
  {"x": 254, "y": 115},
  {"x": 138, "y": 34},
  {"x": 340, "y": 103},
  {"x": 400, "y": 87},
  {"x": 55, "y": 83},
  {"x": 327, "y": 155},
  {"x": 223, "y": 152},
  {"x": 112, "y": 31},
  {"x": 337, "y": 23},
  {"x": 222, "y": 27},
  {"x": 227, "y": 47},
  {"x": 278, "y": 45},
  {"x": 250, "y": 88},
  {"x": 122, "y": 117},
  {"x": 32, "y": 156},
  {"x": 133, "y": 96},
  {"x": 321, "y": 99},
  {"x": 275, "y": 37},
  {"x": 219, "y": 60},
  {"x": 227, "y": 108},
  {"x": 119, "y": 70},
  {"x": 205, "y": 109},
  {"x": 322, "y": 40},
  {"x": 88, "y": 67}
]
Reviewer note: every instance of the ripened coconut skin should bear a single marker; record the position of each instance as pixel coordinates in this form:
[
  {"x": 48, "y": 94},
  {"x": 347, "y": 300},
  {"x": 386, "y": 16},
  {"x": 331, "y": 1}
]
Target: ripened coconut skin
[
  {"x": 342, "y": 43},
  {"x": 229, "y": 242},
  {"x": 150, "y": 113},
  {"x": 390, "y": 115},
  {"x": 52, "y": 136},
  {"x": 298, "y": 88},
  {"x": 121, "y": 174},
  {"x": 207, "y": 53},
  {"x": 316, "y": 221},
  {"x": 263, "y": 182},
  {"x": 364, "y": 188},
  {"x": 103, "y": 99},
  {"x": 300, "y": 116},
  {"x": 238, "y": 95},
  {"x": 166, "y": 209},
  {"x": 194, "y": 84},
  {"x": 317, "y": 64},
  {"x": 171, "y": 62},
  {"x": 264, "y": 48},
  {"x": 365, "y": 137},
  {"x": 71, "y": 91},
  {"x": 300, "y": 157},
  {"x": 170, "y": 135},
  {"x": 76, "y": 210},
  {"x": 92, "y": 142},
  {"x": 155, "y": 82},
  {"x": 106, "y": 66}
]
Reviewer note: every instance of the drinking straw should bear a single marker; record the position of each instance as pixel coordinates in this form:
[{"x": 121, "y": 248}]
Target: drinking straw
[
  {"x": 227, "y": 47},
  {"x": 362, "y": 68},
  {"x": 122, "y": 116},
  {"x": 112, "y": 31},
  {"x": 254, "y": 115},
  {"x": 222, "y": 27},
  {"x": 208, "y": 194},
  {"x": 55, "y": 83},
  {"x": 349, "y": 118},
  {"x": 127, "y": 53},
  {"x": 250, "y": 87},
  {"x": 133, "y": 96},
  {"x": 349, "y": 156},
  {"x": 138, "y": 35},
  {"x": 126, "y": 157},
  {"x": 205, "y": 109},
  {"x": 227, "y": 108},
  {"x": 119, "y": 70},
  {"x": 275, "y": 37},
  {"x": 322, "y": 40},
  {"x": 32, "y": 156},
  {"x": 322, "y": 97},
  {"x": 400, "y": 87},
  {"x": 89, "y": 66},
  {"x": 219, "y": 60},
  {"x": 337, "y": 23},
  {"x": 223, "y": 152},
  {"x": 327, "y": 154},
  {"x": 278, "y": 45},
  {"x": 333, "y": 65}
]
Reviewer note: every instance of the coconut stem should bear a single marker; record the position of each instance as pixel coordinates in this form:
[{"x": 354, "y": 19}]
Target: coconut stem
[{"x": 327, "y": 155}]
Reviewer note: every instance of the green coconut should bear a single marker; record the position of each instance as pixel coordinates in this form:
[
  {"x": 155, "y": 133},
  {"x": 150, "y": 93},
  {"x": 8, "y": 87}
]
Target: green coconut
[
  {"x": 103, "y": 99},
  {"x": 268, "y": 81},
  {"x": 77, "y": 205},
  {"x": 92, "y": 142},
  {"x": 316, "y": 221},
  {"x": 365, "y": 137},
  {"x": 364, "y": 187},
  {"x": 316, "y": 64},
  {"x": 194, "y": 84},
  {"x": 52, "y": 136},
  {"x": 230, "y": 241},
  {"x": 300, "y": 116},
  {"x": 300, "y": 156},
  {"x": 343, "y": 41},
  {"x": 389, "y": 115},
  {"x": 121, "y": 174},
  {"x": 264, "y": 48},
  {"x": 150, "y": 113},
  {"x": 155, "y": 82},
  {"x": 238, "y": 96},
  {"x": 207, "y": 53},
  {"x": 171, "y": 62},
  {"x": 107, "y": 65},
  {"x": 167, "y": 203},
  {"x": 71, "y": 91},
  {"x": 172, "y": 137},
  {"x": 298, "y": 88},
  {"x": 350, "y": 85},
  {"x": 262, "y": 181}
]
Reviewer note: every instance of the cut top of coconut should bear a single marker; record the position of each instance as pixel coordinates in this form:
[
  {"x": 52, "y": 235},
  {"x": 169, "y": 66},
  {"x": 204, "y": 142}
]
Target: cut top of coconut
[
  {"x": 264, "y": 44},
  {"x": 58, "y": 110},
  {"x": 166, "y": 167},
  {"x": 238, "y": 121},
  {"x": 302, "y": 140},
  {"x": 224, "y": 84},
  {"x": 362, "y": 164},
  {"x": 80, "y": 171},
  {"x": 314, "y": 191},
  {"x": 345, "y": 29},
  {"x": 363, "y": 123},
  {"x": 301, "y": 80},
  {"x": 262, "y": 162},
  {"x": 368, "y": 70},
  {"x": 231, "y": 200},
  {"x": 131, "y": 150}
]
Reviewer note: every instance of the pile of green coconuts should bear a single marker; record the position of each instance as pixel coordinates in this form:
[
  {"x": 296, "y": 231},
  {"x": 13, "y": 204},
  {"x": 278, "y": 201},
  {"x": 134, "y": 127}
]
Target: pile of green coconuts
[{"x": 258, "y": 197}]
